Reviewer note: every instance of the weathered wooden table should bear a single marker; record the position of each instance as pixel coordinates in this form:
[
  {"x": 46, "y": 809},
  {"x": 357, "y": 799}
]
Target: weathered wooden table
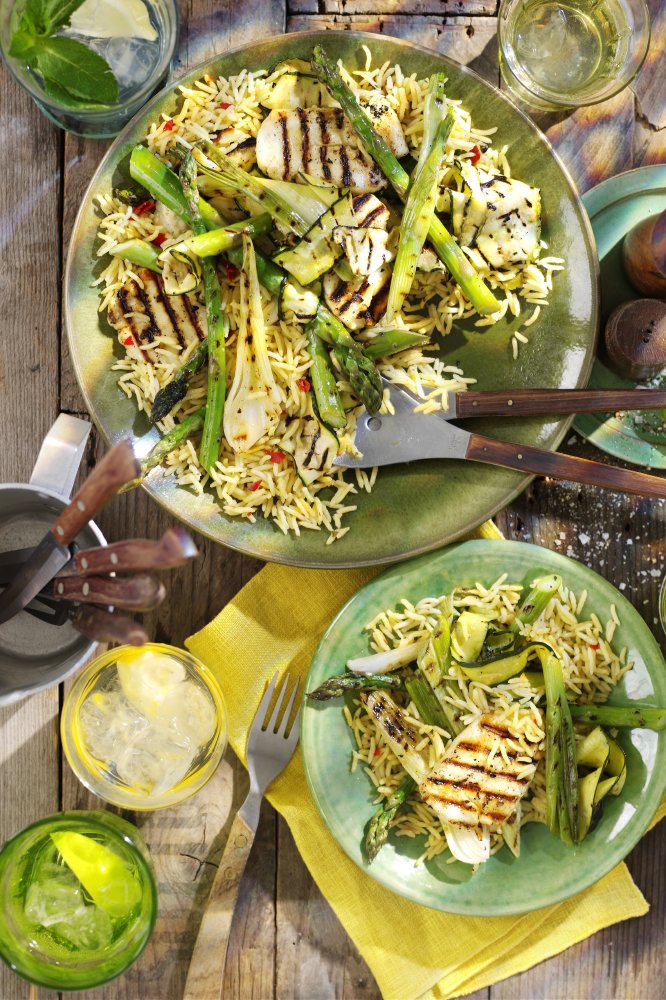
[{"x": 286, "y": 941}]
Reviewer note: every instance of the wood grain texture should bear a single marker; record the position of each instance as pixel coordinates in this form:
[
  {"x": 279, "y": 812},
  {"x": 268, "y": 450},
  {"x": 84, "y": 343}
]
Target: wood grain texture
[
  {"x": 470, "y": 41},
  {"x": 206, "y": 972},
  {"x": 537, "y": 402}
]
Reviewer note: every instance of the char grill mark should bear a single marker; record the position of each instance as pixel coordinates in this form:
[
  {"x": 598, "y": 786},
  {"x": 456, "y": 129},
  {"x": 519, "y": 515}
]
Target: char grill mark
[{"x": 286, "y": 152}]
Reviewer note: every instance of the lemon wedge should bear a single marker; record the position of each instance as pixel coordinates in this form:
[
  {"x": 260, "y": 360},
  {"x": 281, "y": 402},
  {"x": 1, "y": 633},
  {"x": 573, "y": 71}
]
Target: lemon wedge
[
  {"x": 113, "y": 19},
  {"x": 102, "y": 873},
  {"x": 149, "y": 679}
]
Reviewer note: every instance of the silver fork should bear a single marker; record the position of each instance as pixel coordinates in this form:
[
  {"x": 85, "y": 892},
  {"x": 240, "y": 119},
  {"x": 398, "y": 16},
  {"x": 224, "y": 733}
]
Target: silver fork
[{"x": 269, "y": 749}]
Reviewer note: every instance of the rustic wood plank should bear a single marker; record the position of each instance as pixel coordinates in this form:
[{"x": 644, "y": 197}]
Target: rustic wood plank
[
  {"x": 456, "y": 8},
  {"x": 29, "y": 249},
  {"x": 470, "y": 41}
]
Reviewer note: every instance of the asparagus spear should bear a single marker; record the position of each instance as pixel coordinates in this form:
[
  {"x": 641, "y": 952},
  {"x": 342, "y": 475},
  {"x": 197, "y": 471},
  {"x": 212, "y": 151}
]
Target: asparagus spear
[
  {"x": 461, "y": 268},
  {"x": 417, "y": 218},
  {"x": 620, "y": 716},
  {"x": 392, "y": 342},
  {"x": 217, "y": 327},
  {"x": 381, "y": 822},
  {"x": 188, "y": 427},
  {"x": 336, "y": 687},
  {"x": 176, "y": 389},
  {"x": 326, "y": 392}
]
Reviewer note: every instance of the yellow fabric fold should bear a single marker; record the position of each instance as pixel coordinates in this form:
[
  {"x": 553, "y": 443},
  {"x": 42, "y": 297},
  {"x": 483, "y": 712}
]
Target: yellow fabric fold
[{"x": 274, "y": 623}]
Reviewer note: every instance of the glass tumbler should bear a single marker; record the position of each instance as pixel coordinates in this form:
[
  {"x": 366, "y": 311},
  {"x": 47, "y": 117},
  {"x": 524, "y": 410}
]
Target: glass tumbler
[
  {"x": 79, "y": 899},
  {"x": 557, "y": 54},
  {"x": 137, "y": 38},
  {"x": 144, "y": 727}
]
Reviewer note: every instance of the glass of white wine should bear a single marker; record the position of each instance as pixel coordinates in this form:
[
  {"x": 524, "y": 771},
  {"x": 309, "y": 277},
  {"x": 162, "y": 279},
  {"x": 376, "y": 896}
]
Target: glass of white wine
[{"x": 557, "y": 54}]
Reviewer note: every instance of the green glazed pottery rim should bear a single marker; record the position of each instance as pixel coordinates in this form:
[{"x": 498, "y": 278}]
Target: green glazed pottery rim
[
  {"x": 614, "y": 434},
  {"x": 487, "y": 489},
  {"x": 547, "y": 871}
]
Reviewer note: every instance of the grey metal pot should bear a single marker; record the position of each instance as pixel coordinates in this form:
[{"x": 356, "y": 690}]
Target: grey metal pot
[{"x": 34, "y": 654}]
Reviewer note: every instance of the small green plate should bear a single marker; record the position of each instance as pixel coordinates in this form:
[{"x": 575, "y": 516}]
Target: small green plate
[
  {"x": 615, "y": 206},
  {"x": 444, "y": 499},
  {"x": 547, "y": 871}
]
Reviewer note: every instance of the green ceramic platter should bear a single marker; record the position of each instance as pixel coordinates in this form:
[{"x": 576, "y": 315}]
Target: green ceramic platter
[
  {"x": 444, "y": 500},
  {"x": 615, "y": 206},
  {"x": 547, "y": 871}
]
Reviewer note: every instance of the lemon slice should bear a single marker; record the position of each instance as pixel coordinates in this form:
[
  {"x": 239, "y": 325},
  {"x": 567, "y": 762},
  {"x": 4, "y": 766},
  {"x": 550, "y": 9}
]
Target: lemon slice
[
  {"x": 103, "y": 874},
  {"x": 148, "y": 679},
  {"x": 111, "y": 19}
]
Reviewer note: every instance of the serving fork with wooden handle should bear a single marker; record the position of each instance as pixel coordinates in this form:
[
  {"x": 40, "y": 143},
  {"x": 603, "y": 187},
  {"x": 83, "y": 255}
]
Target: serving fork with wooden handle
[
  {"x": 273, "y": 737},
  {"x": 407, "y": 435}
]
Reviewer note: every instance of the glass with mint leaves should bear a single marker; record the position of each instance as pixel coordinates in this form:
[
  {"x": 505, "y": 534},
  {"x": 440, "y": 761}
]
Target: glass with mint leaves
[{"x": 89, "y": 65}]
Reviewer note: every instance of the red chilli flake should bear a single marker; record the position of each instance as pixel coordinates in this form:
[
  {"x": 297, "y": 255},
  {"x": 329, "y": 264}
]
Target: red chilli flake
[
  {"x": 275, "y": 456},
  {"x": 304, "y": 385},
  {"x": 255, "y": 485},
  {"x": 159, "y": 239},
  {"x": 168, "y": 125},
  {"x": 476, "y": 154},
  {"x": 224, "y": 105},
  {"x": 128, "y": 341},
  {"x": 232, "y": 272},
  {"x": 593, "y": 646},
  {"x": 146, "y": 206},
  {"x": 377, "y": 752}
]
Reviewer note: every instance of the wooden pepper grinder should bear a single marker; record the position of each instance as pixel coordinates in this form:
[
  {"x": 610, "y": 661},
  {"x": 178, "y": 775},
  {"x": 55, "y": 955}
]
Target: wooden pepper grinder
[
  {"x": 635, "y": 338},
  {"x": 644, "y": 256}
]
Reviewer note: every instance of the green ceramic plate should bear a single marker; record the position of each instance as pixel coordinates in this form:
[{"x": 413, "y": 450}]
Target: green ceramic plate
[
  {"x": 444, "y": 500},
  {"x": 615, "y": 206},
  {"x": 547, "y": 871}
]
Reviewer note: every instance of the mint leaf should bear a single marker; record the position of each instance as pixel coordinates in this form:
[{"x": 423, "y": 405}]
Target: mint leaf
[
  {"x": 77, "y": 69},
  {"x": 33, "y": 17},
  {"x": 22, "y": 42},
  {"x": 64, "y": 98},
  {"x": 57, "y": 13}
]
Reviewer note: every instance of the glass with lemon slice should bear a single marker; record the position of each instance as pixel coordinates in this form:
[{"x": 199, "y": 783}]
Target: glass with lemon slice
[
  {"x": 144, "y": 727},
  {"x": 79, "y": 899}
]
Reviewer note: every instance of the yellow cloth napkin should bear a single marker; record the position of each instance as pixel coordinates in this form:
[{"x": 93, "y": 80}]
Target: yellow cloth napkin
[{"x": 275, "y": 623}]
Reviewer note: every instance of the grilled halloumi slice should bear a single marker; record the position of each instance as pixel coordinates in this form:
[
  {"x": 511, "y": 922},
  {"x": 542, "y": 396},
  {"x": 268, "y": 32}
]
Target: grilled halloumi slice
[
  {"x": 360, "y": 302},
  {"x": 148, "y": 314},
  {"x": 321, "y": 142},
  {"x": 476, "y": 784}
]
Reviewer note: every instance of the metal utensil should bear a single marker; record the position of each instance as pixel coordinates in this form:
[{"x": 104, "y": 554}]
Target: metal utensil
[
  {"x": 270, "y": 746},
  {"x": 139, "y": 592},
  {"x": 173, "y": 549},
  {"x": 407, "y": 436},
  {"x": 116, "y": 468}
]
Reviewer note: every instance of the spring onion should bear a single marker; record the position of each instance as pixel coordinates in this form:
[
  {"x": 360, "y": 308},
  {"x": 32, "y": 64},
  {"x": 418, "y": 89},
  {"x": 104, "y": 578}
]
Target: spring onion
[
  {"x": 253, "y": 406},
  {"x": 561, "y": 770},
  {"x": 162, "y": 183},
  {"x": 391, "y": 659},
  {"x": 139, "y": 252},
  {"x": 535, "y": 603},
  {"x": 258, "y": 190},
  {"x": 400, "y": 734}
]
